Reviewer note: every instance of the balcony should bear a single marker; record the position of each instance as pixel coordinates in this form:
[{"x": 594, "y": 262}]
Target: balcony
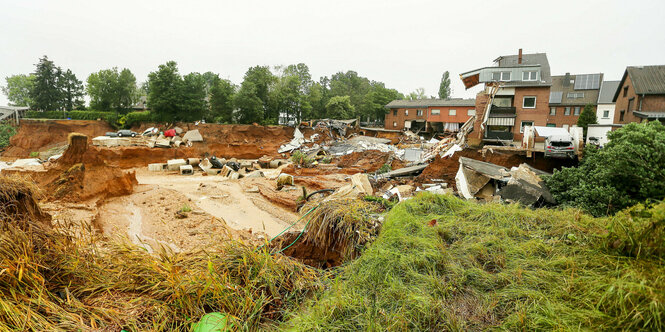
[
  {"x": 498, "y": 135},
  {"x": 502, "y": 110}
]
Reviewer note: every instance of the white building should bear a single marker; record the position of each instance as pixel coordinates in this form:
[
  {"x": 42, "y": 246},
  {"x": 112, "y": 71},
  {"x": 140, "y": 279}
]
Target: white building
[{"x": 605, "y": 110}]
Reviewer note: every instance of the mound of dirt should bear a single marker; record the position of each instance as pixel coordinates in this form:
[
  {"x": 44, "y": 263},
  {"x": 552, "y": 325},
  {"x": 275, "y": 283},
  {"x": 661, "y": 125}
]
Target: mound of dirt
[
  {"x": 80, "y": 174},
  {"x": 18, "y": 200},
  {"x": 369, "y": 161},
  {"x": 41, "y": 135}
]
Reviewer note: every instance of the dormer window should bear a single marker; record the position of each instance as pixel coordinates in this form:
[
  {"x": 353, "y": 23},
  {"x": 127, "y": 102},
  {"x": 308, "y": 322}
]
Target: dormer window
[
  {"x": 529, "y": 75},
  {"x": 501, "y": 76}
]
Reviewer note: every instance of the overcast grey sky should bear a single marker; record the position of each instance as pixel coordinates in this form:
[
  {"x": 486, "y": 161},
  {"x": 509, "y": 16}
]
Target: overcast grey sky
[{"x": 406, "y": 44}]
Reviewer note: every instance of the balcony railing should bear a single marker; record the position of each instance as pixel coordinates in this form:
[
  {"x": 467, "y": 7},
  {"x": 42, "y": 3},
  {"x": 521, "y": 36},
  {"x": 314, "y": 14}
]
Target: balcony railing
[
  {"x": 502, "y": 110},
  {"x": 498, "y": 135}
]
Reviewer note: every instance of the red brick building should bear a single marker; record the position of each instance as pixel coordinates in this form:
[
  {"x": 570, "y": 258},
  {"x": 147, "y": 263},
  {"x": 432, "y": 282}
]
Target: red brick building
[
  {"x": 431, "y": 115},
  {"x": 569, "y": 94},
  {"x": 641, "y": 95},
  {"x": 518, "y": 87}
]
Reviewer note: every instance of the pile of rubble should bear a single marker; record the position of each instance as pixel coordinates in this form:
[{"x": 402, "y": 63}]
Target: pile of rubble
[
  {"x": 232, "y": 168},
  {"x": 151, "y": 137}
]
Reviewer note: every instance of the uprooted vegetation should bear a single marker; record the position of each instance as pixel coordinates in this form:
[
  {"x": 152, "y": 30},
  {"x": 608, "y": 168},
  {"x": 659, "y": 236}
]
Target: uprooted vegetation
[{"x": 441, "y": 263}]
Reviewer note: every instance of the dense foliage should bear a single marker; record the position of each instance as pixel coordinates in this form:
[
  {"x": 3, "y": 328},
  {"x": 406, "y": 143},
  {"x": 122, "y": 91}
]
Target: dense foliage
[
  {"x": 444, "y": 86},
  {"x": 6, "y": 132},
  {"x": 18, "y": 89},
  {"x": 587, "y": 117},
  {"x": 110, "y": 117},
  {"x": 112, "y": 90},
  {"x": 628, "y": 170},
  {"x": 55, "y": 89}
]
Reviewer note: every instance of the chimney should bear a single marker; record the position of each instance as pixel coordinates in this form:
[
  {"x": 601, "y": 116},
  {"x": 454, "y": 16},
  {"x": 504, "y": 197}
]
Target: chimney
[
  {"x": 566, "y": 80},
  {"x": 519, "y": 57}
]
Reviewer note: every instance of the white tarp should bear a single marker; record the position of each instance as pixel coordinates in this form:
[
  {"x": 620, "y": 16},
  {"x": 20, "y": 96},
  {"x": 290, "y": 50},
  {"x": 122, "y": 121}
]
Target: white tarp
[
  {"x": 550, "y": 131},
  {"x": 296, "y": 142}
]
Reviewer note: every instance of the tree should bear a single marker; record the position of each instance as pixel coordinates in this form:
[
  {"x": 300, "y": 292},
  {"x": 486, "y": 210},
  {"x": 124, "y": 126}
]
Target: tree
[
  {"x": 165, "y": 92},
  {"x": 261, "y": 80},
  {"x": 72, "y": 91},
  {"x": 339, "y": 107},
  {"x": 193, "y": 102},
  {"x": 374, "y": 102},
  {"x": 221, "y": 101},
  {"x": 18, "y": 89},
  {"x": 416, "y": 95},
  {"x": 628, "y": 170},
  {"x": 46, "y": 94},
  {"x": 112, "y": 90},
  {"x": 587, "y": 117},
  {"x": 289, "y": 96},
  {"x": 250, "y": 107},
  {"x": 444, "y": 86}
]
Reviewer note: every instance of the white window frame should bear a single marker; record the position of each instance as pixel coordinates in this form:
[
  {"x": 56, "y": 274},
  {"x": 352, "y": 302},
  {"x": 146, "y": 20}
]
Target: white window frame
[
  {"x": 504, "y": 78},
  {"x": 471, "y": 112},
  {"x": 436, "y": 112},
  {"x": 452, "y": 112},
  {"x": 530, "y": 75},
  {"x": 524, "y": 100},
  {"x": 553, "y": 109},
  {"x": 419, "y": 113},
  {"x": 522, "y": 125},
  {"x": 394, "y": 124},
  {"x": 606, "y": 114}
]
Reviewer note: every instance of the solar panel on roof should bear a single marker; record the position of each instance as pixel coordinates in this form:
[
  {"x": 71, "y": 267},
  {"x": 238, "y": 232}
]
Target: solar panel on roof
[
  {"x": 587, "y": 82},
  {"x": 555, "y": 97}
]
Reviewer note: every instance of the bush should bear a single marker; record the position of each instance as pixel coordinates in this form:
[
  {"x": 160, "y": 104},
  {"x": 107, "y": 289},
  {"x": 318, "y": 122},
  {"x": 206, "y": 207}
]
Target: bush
[
  {"x": 6, "y": 132},
  {"x": 136, "y": 118},
  {"x": 301, "y": 159},
  {"x": 110, "y": 117},
  {"x": 628, "y": 170}
]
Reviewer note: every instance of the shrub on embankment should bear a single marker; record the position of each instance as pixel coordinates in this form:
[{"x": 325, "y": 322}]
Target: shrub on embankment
[
  {"x": 6, "y": 132},
  {"x": 498, "y": 266},
  {"x": 112, "y": 118}
]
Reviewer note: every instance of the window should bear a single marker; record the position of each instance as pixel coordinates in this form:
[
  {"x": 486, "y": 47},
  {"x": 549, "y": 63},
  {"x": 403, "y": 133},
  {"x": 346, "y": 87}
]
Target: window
[
  {"x": 577, "y": 110},
  {"x": 606, "y": 114},
  {"x": 552, "y": 110},
  {"x": 575, "y": 95},
  {"x": 419, "y": 112},
  {"x": 553, "y": 125},
  {"x": 394, "y": 124},
  {"x": 525, "y": 123},
  {"x": 529, "y": 102},
  {"x": 621, "y": 115},
  {"x": 529, "y": 75},
  {"x": 566, "y": 111},
  {"x": 452, "y": 112},
  {"x": 501, "y": 76},
  {"x": 630, "y": 104},
  {"x": 471, "y": 112},
  {"x": 406, "y": 112},
  {"x": 436, "y": 112},
  {"x": 625, "y": 91},
  {"x": 394, "y": 112}
]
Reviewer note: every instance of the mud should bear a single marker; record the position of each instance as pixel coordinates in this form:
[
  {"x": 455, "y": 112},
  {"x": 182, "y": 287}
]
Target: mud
[
  {"x": 41, "y": 135},
  {"x": 368, "y": 161}
]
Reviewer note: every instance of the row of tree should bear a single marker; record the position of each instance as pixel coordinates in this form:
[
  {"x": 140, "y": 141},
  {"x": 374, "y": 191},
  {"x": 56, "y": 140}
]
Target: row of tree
[{"x": 286, "y": 93}]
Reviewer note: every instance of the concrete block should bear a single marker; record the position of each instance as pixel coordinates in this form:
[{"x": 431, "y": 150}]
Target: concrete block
[
  {"x": 192, "y": 136},
  {"x": 174, "y": 164},
  {"x": 186, "y": 170},
  {"x": 226, "y": 171},
  {"x": 157, "y": 167},
  {"x": 234, "y": 176},
  {"x": 193, "y": 161},
  {"x": 213, "y": 171},
  {"x": 163, "y": 143},
  {"x": 178, "y": 130}
]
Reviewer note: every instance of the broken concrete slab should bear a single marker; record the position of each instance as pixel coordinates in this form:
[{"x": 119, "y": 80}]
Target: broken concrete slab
[
  {"x": 178, "y": 130},
  {"x": 255, "y": 174},
  {"x": 163, "y": 143},
  {"x": 362, "y": 181},
  {"x": 174, "y": 164},
  {"x": 296, "y": 142},
  {"x": 157, "y": 167},
  {"x": 186, "y": 170},
  {"x": 192, "y": 136},
  {"x": 411, "y": 170},
  {"x": 26, "y": 162},
  {"x": 227, "y": 171}
]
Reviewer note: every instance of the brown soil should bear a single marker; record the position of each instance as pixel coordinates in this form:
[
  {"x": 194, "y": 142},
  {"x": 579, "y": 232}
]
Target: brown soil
[
  {"x": 307, "y": 252},
  {"x": 446, "y": 169},
  {"x": 41, "y": 135},
  {"x": 368, "y": 161}
]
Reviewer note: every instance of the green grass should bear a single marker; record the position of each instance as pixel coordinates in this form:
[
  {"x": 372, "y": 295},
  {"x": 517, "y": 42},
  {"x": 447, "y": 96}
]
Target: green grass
[
  {"x": 497, "y": 266},
  {"x": 185, "y": 208},
  {"x": 6, "y": 132}
]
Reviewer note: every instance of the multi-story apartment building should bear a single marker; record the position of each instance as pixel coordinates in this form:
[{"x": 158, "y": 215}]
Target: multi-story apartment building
[
  {"x": 569, "y": 94},
  {"x": 640, "y": 95},
  {"x": 516, "y": 94},
  {"x": 431, "y": 115}
]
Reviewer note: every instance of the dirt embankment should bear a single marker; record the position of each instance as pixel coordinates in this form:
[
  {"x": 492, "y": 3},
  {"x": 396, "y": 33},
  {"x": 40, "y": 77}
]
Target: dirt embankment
[
  {"x": 40, "y": 135},
  {"x": 368, "y": 161},
  {"x": 446, "y": 169}
]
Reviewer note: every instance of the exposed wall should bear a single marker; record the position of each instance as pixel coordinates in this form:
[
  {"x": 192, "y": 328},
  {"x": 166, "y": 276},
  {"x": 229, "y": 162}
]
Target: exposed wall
[
  {"x": 601, "y": 109},
  {"x": 538, "y": 115},
  {"x": 397, "y": 121}
]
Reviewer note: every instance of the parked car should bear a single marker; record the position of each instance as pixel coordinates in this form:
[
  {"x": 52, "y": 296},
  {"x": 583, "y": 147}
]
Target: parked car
[
  {"x": 559, "y": 146},
  {"x": 126, "y": 133},
  {"x": 111, "y": 134}
]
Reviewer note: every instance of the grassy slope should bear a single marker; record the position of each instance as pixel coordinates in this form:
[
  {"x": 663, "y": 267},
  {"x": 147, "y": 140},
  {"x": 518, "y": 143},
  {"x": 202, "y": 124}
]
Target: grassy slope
[{"x": 498, "y": 266}]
